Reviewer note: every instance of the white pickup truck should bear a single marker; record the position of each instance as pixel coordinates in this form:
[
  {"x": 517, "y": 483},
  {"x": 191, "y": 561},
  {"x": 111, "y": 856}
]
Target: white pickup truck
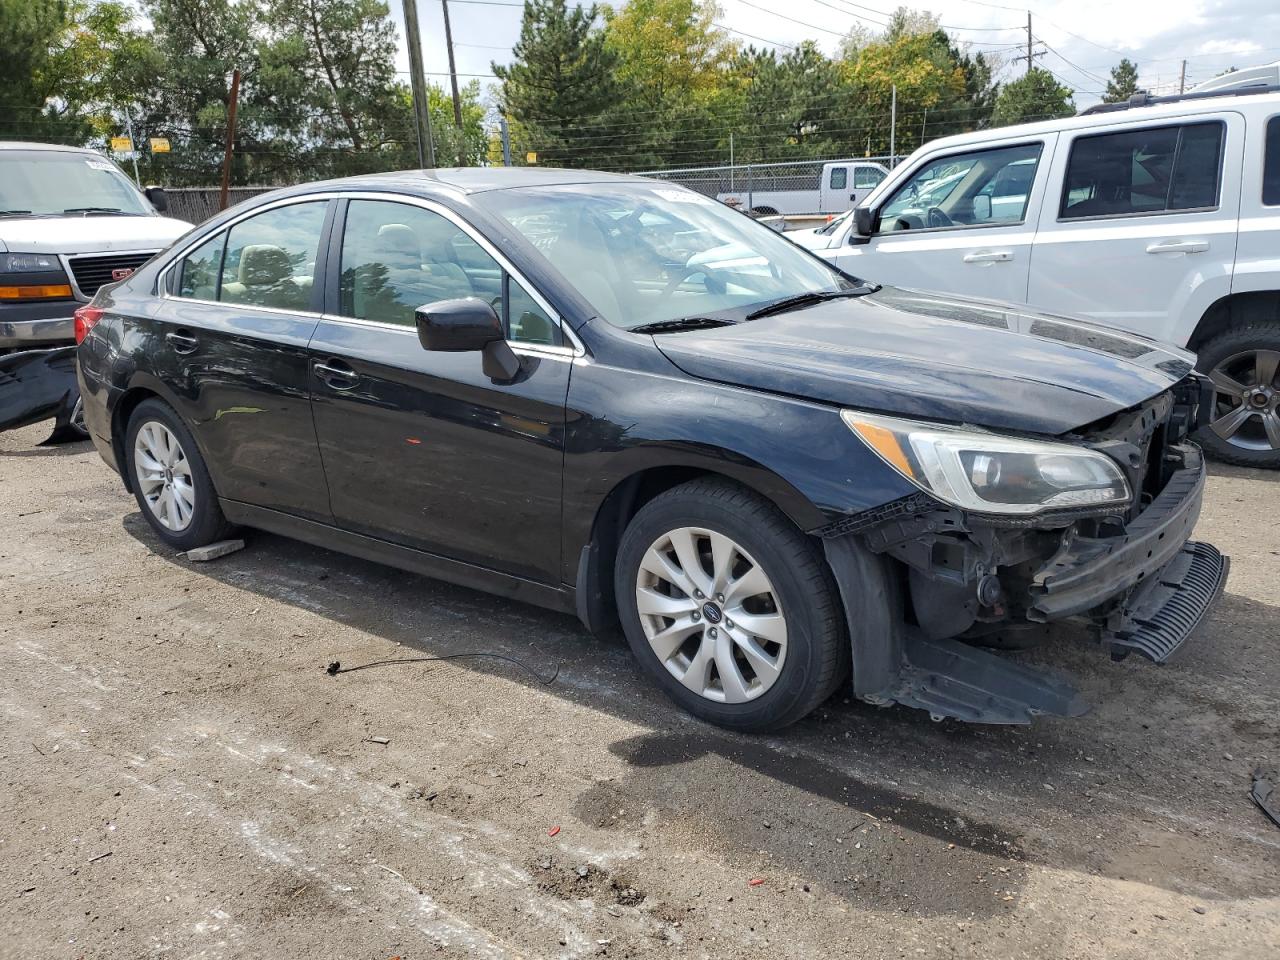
[
  {"x": 1159, "y": 216},
  {"x": 841, "y": 185}
]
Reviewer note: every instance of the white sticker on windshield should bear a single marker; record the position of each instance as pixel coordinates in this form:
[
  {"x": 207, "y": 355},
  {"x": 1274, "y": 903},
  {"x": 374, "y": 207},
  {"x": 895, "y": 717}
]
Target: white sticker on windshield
[
  {"x": 683, "y": 196},
  {"x": 98, "y": 164}
]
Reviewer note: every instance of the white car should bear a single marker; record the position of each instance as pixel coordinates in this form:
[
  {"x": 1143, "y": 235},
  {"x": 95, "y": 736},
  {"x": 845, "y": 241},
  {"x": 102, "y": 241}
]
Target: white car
[
  {"x": 70, "y": 221},
  {"x": 841, "y": 184},
  {"x": 1160, "y": 216}
]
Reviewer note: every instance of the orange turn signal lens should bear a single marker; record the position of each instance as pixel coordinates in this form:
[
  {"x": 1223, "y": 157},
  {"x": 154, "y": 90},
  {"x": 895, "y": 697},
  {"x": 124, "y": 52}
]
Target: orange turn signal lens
[
  {"x": 42, "y": 291},
  {"x": 883, "y": 442}
]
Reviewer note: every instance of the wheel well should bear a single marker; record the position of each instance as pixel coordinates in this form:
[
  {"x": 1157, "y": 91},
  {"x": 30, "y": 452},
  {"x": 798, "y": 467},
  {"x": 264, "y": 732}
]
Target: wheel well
[
  {"x": 597, "y": 606},
  {"x": 764, "y": 211},
  {"x": 120, "y": 423},
  {"x": 1236, "y": 310}
]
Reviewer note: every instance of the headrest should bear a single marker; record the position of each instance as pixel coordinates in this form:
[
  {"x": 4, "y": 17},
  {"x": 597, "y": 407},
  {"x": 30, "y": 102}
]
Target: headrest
[
  {"x": 262, "y": 264},
  {"x": 397, "y": 238}
]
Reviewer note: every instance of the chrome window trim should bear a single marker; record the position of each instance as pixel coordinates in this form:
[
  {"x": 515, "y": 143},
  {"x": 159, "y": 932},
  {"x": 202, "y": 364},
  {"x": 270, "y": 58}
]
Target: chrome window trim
[
  {"x": 576, "y": 348},
  {"x": 519, "y": 346}
]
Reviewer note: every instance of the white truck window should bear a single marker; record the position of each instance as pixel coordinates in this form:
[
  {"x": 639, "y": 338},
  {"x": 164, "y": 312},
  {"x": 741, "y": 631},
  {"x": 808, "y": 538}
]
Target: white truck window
[
  {"x": 978, "y": 189},
  {"x": 1271, "y": 165},
  {"x": 839, "y": 177},
  {"x": 865, "y": 178},
  {"x": 1151, "y": 170}
]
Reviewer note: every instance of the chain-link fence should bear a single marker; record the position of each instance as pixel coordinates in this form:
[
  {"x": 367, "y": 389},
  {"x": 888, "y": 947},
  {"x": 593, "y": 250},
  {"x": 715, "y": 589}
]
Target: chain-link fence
[{"x": 197, "y": 204}]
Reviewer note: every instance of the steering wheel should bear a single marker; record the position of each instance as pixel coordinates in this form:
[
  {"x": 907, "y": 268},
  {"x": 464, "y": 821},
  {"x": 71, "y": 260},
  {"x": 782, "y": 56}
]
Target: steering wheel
[
  {"x": 680, "y": 276},
  {"x": 937, "y": 218}
]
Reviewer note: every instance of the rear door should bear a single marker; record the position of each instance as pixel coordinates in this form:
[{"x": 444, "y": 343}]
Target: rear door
[
  {"x": 962, "y": 222},
  {"x": 1140, "y": 231},
  {"x": 421, "y": 448},
  {"x": 231, "y": 341}
]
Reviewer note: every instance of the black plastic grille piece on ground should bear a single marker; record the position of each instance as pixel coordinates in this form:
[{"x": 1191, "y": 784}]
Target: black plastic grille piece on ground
[{"x": 1166, "y": 610}]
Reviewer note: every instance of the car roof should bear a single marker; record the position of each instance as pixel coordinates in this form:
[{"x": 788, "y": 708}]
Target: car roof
[
  {"x": 464, "y": 180},
  {"x": 1266, "y": 102},
  {"x": 50, "y": 147}
]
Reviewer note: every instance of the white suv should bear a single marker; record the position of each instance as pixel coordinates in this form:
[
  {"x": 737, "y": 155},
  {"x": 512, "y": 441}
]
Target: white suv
[{"x": 1160, "y": 216}]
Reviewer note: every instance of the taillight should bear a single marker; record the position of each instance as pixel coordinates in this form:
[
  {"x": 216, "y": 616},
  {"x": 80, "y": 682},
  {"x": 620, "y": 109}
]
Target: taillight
[{"x": 87, "y": 318}]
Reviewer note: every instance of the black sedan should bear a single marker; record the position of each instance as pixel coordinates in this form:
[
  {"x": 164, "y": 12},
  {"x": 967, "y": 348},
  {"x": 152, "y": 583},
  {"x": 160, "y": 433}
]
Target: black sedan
[{"x": 616, "y": 397}]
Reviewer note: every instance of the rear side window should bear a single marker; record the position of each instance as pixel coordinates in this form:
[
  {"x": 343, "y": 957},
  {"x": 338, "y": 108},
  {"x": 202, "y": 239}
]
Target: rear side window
[
  {"x": 839, "y": 177},
  {"x": 1152, "y": 170},
  {"x": 200, "y": 270},
  {"x": 270, "y": 260},
  {"x": 1271, "y": 165}
]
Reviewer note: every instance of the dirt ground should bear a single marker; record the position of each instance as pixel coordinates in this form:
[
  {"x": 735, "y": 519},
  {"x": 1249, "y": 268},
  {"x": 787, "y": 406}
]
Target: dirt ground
[{"x": 182, "y": 778}]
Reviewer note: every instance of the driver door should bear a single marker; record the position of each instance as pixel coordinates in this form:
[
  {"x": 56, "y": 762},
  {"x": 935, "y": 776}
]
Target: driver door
[{"x": 961, "y": 223}]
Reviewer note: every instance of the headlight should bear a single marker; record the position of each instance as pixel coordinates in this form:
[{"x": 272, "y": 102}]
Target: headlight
[
  {"x": 988, "y": 473},
  {"x": 28, "y": 262}
]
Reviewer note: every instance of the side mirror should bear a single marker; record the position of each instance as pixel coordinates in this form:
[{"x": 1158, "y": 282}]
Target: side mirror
[
  {"x": 982, "y": 207},
  {"x": 460, "y": 326},
  {"x": 864, "y": 221},
  {"x": 158, "y": 198}
]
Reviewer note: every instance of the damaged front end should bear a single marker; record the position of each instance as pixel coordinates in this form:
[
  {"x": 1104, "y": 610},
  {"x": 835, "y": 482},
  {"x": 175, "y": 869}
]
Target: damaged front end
[{"x": 1124, "y": 567}]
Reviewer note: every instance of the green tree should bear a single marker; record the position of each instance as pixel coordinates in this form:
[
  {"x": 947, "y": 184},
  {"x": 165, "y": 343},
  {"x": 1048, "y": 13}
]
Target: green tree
[
  {"x": 561, "y": 91},
  {"x": 1033, "y": 96},
  {"x": 1123, "y": 83}
]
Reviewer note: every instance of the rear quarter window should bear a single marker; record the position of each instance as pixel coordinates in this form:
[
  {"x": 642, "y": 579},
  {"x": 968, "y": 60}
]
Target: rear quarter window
[{"x": 1271, "y": 165}]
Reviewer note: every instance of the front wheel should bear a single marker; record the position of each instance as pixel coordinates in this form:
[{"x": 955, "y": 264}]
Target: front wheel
[
  {"x": 730, "y": 607},
  {"x": 1244, "y": 365}
]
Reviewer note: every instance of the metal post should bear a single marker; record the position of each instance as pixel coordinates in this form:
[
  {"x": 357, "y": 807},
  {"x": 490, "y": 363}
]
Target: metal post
[
  {"x": 418, "y": 83},
  {"x": 1182, "y": 79},
  {"x": 232, "y": 101},
  {"x": 1030, "y": 61},
  {"x": 751, "y": 202},
  {"x": 506, "y": 141},
  {"x": 893, "y": 127},
  {"x": 730, "y": 161},
  {"x": 128, "y": 125},
  {"x": 453, "y": 82}
]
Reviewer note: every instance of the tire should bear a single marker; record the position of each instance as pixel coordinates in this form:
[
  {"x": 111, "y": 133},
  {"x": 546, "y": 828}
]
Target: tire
[
  {"x": 800, "y": 608},
  {"x": 183, "y": 478},
  {"x": 1234, "y": 359}
]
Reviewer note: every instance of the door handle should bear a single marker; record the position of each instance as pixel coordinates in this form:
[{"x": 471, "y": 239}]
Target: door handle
[
  {"x": 339, "y": 377},
  {"x": 1178, "y": 246},
  {"x": 989, "y": 256},
  {"x": 182, "y": 342}
]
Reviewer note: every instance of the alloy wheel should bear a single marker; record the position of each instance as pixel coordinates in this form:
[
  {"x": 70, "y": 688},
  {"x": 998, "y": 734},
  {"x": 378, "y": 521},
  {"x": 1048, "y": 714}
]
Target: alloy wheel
[
  {"x": 1247, "y": 400},
  {"x": 711, "y": 615},
  {"x": 164, "y": 476}
]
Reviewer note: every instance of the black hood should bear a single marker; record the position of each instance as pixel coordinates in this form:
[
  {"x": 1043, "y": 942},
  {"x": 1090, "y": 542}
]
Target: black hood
[{"x": 937, "y": 358}]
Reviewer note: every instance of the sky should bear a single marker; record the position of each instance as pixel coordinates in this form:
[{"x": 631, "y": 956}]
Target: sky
[{"x": 1081, "y": 39}]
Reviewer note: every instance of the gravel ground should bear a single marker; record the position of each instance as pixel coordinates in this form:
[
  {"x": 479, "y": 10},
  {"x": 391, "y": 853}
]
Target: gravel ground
[{"x": 181, "y": 777}]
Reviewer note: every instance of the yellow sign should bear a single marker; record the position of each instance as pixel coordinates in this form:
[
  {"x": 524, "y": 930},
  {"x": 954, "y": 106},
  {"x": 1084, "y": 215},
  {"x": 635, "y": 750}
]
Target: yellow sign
[
  {"x": 530, "y": 157},
  {"x": 121, "y": 144},
  {"x": 159, "y": 145}
]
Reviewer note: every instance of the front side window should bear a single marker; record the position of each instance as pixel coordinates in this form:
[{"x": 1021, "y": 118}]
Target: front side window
[
  {"x": 200, "y": 269},
  {"x": 839, "y": 178},
  {"x": 397, "y": 257},
  {"x": 1271, "y": 165},
  {"x": 1150, "y": 170},
  {"x": 642, "y": 253},
  {"x": 984, "y": 188},
  {"x": 866, "y": 178},
  {"x": 270, "y": 260}
]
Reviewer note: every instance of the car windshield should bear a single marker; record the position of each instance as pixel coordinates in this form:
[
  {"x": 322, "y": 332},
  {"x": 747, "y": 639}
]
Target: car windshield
[
  {"x": 642, "y": 254},
  {"x": 57, "y": 183}
]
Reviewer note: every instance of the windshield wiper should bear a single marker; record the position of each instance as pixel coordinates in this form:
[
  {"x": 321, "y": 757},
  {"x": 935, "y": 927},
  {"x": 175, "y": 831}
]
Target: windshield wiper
[
  {"x": 88, "y": 210},
  {"x": 14, "y": 213},
  {"x": 809, "y": 298},
  {"x": 683, "y": 323}
]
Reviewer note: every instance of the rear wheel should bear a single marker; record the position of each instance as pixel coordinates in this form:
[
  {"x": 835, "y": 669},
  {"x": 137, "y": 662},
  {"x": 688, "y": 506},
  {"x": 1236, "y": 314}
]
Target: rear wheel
[
  {"x": 729, "y": 607},
  {"x": 170, "y": 480},
  {"x": 1244, "y": 365}
]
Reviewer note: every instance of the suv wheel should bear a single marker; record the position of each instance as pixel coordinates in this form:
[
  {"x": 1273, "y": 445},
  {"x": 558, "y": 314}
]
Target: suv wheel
[
  {"x": 170, "y": 480},
  {"x": 1244, "y": 364},
  {"x": 729, "y": 607}
]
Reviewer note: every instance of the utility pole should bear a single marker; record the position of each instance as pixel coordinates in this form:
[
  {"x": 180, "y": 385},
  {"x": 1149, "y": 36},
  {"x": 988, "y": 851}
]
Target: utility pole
[
  {"x": 506, "y": 141},
  {"x": 1182, "y": 79},
  {"x": 418, "y": 83},
  {"x": 232, "y": 101},
  {"x": 1032, "y": 52},
  {"x": 453, "y": 81},
  {"x": 893, "y": 126},
  {"x": 128, "y": 125}
]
